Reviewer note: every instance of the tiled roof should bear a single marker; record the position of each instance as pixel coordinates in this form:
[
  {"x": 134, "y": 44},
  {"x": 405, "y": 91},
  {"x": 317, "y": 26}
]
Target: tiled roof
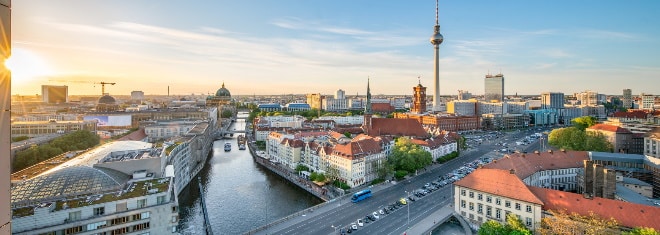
[
  {"x": 498, "y": 182},
  {"x": 526, "y": 164},
  {"x": 382, "y": 107},
  {"x": 627, "y": 214},
  {"x": 359, "y": 148},
  {"x": 609, "y": 128},
  {"x": 294, "y": 143},
  {"x": 433, "y": 143},
  {"x": 397, "y": 127},
  {"x": 136, "y": 135},
  {"x": 639, "y": 114}
]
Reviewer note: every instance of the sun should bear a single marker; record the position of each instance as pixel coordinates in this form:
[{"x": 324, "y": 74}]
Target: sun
[{"x": 26, "y": 65}]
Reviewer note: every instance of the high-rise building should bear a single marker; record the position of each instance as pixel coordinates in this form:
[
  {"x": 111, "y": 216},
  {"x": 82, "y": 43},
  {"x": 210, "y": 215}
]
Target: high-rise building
[
  {"x": 5, "y": 110},
  {"x": 494, "y": 86},
  {"x": 647, "y": 101},
  {"x": 436, "y": 40},
  {"x": 588, "y": 98},
  {"x": 552, "y": 100},
  {"x": 419, "y": 99},
  {"x": 340, "y": 94},
  {"x": 54, "y": 94},
  {"x": 315, "y": 101},
  {"x": 464, "y": 95},
  {"x": 627, "y": 98},
  {"x": 137, "y": 95}
]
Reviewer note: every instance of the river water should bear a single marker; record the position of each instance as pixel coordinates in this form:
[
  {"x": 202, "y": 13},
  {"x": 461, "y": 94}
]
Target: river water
[{"x": 240, "y": 194}]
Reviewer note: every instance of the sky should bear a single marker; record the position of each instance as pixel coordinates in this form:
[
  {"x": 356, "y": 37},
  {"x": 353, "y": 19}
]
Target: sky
[{"x": 297, "y": 47}]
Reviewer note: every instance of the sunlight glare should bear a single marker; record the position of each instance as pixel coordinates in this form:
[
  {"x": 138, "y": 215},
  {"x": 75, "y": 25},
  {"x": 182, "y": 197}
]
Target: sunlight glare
[{"x": 26, "y": 65}]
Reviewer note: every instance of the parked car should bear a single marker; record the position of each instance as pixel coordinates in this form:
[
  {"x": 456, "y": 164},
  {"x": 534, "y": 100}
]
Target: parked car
[
  {"x": 360, "y": 223},
  {"x": 375, "y": 214},
  {"x": 354, "y": 226}
]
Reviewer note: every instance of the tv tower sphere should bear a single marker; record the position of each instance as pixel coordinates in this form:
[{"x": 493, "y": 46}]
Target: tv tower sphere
[{"x": 436, "y": 38}]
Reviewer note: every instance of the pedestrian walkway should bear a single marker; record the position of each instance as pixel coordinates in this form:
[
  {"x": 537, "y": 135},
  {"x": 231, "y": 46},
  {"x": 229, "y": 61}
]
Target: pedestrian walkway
[{"x": 432, "y": 221}]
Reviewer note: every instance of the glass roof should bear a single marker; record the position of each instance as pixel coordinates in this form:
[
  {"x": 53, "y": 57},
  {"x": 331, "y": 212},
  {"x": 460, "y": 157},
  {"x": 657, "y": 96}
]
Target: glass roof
[{"x": 68, "y": 182}]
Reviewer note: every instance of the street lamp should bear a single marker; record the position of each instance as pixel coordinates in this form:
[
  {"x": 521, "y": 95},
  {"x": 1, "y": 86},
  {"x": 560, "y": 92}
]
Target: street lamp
[{"x": 335, "y": 228}]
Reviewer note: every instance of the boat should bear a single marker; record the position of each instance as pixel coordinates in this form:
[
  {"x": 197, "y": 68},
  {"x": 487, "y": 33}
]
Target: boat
[
  {"x": 241, "y": 147},
  {"x": 227, "y": 147}
]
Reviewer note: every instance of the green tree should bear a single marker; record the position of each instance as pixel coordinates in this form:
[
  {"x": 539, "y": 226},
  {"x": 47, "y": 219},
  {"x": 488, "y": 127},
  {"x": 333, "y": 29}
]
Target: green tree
[
  {"x": 226, "y": 114},
  {"x": 19, "y": 138},
  {"x": 408, "y": 156},
  {"x": 642, "y": 231},
  {"x": 347, "y": 134},
  {"x": 561, "y": 222},
  {"x": 513, "y": 225},
  {"x": 572, "y": 138},
  {"x": 301, "y": 167},
  {"x": 584, "y": 122}
]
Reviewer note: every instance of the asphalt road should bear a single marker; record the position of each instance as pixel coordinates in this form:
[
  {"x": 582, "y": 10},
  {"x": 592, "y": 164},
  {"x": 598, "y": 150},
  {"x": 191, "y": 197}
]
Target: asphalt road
[{"x": 396, "y": 222}]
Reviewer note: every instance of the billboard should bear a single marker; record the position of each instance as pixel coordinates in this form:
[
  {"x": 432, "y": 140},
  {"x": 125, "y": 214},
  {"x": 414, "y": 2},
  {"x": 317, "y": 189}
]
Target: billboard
[{"x": 110, "y": 121}]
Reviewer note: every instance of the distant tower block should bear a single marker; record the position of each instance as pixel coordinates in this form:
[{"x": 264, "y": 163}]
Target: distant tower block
[{"x": 436, "y": 40}]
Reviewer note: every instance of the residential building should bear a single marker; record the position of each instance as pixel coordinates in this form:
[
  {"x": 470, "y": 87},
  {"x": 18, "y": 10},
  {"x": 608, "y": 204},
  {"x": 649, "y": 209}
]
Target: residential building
[
  {"x": 627, "y": 99},
  {"x": 137, "y": 95},
  {"x": 315, "y": 100},
  {"x": 494, "y": 86},
  {"x": 344, "y": 120},
  {"x": 646, "y": 101},
  {"x": 588, "y": 98},
  {"x": 619, "y": 137},
  {"x": 517, "y": 107},
  {"x": 464, "y": 95},
  {"x": 462, "y": 107},
  {"x": 552, "y": 100}
]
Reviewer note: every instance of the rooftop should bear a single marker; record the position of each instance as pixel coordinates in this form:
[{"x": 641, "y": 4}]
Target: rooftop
[
  {"x": 609, "y": 128},
  {"x": 498, "y": 182},
  {"x": 526, "y": 164}
]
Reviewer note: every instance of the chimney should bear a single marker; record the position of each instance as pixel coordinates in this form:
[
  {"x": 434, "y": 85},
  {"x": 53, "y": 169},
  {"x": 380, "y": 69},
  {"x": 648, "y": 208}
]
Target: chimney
[{"x": 512, "y": 171}]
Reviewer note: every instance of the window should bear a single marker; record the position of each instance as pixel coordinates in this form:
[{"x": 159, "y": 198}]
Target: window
[
  {"x": 507, "y": 204},
  {"x": 73, "y": 230},
  {"x": 528, "y": 221},
  {"x": 498, "y": 201},
  {"x": 73, "y": 216},
  {"x": 141, "y": 203},
  {"x": 160, "y": 199},
  {"x": 95, "y": 226},
  {"x": 488, "y": 211},
  {"x": 99, "y": 211},
  {"x": 471, "y": 194},
  {"x": 480, "y": 209},
  {"x": 498, "y": 213},
  {"x": 479, "y": 196},
  {"x": 463, "y": 203},
  {"x": 529, "y": 208},
  {"x": 517, "y": 206},
  {"x": 471, "y": 206},
  {"x": 489, "y": 199}
]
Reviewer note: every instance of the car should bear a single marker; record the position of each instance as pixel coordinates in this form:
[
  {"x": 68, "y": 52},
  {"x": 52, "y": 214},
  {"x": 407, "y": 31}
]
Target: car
[
  {"x": 381, "y": 212},
  {"x": 366, "y": 220},
  {"x": 354, "y": 226},
  {"x": 360, "y": 223},
  {"x": 342, "y": 231},
  {"x": 375, "y": 214},
  {"x": 386, "y": 211},
  {"x": 403, "y": 201},
  {"x": 412, "y": 198},
  {"x": 349, "y": 230}
]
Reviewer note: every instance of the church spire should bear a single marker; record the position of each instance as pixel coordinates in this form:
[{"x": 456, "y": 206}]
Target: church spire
[{"x": 367, "y": 108}]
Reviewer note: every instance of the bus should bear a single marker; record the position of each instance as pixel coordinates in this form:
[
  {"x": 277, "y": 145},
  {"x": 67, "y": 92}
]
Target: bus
[{"x": 359, "y": 196}]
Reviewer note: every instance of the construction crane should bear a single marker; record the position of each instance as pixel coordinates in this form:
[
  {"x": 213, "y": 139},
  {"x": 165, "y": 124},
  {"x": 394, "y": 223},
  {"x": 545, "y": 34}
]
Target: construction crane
[{"x": 103, "y": 86}]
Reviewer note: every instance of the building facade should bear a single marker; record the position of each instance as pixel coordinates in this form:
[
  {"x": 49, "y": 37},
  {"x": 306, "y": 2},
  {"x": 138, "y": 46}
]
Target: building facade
[
  {"x": 55, "y": 94},
  {"x": 552, "y": 100},
  {"x": 627, "y": 99},
  {"x": 494, "y": 86}
]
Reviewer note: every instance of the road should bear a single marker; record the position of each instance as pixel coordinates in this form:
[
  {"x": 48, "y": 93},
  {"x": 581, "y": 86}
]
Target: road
[{"x": 344, "y": 212}]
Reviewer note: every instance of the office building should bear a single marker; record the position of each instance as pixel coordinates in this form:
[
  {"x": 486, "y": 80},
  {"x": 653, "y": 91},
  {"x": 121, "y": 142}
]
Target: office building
[
  {"x": 494, "y": 88},
  {"x": 552, "y": 100},
  {"x": 54, "y": 94},
  {"x": 137, "y": 95},
  {"x": 627, "y": 99},
  {"x": 646, "y": 101},
  {"x": 587, "y": 98},
  {"x": 464, "y": 95}
]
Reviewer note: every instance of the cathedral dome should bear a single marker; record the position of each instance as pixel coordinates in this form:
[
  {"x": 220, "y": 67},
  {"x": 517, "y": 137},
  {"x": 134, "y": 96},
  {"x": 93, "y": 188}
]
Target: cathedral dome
[
  {"x": 107, "y": 99},
  {"x": 223, "y": 92}
]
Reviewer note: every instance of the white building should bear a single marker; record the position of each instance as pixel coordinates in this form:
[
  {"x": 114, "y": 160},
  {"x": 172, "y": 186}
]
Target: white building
[
  {"x": 347, "y": 120},
  {"x": 87, "y": 200},
  {"x": 462, "y": 107},
  {"x": 589, "y": 98},
  {"x": 647, "y": 101}
]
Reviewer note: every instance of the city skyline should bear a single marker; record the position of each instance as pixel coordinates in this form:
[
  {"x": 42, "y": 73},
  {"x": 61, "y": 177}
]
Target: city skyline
[{"x": 318, "y": 47}]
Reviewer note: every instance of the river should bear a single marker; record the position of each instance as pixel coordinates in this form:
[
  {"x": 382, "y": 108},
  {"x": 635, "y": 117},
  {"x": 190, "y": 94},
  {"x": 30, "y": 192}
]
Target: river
[{"x": 240, "y": 194}]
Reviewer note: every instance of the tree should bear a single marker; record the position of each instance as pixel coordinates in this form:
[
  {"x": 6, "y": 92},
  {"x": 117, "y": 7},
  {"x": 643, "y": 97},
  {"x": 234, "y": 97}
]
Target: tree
[
  {"x": 408, "y": 156},
  {"x": 561, "y": 222},
  {"x": 583, "y": 122},
  {"x": 642, "y": 231},
  {"x": 301, "y": 167},
  {"x": 513, "y": 225},
  {"x": 347, "y": 134},
  {"x": 572, "y": 138},
  {"x": 226, "y": 114}
]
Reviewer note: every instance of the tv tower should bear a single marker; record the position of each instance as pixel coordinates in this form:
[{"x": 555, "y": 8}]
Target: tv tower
[{"x": 436, "y": 40}]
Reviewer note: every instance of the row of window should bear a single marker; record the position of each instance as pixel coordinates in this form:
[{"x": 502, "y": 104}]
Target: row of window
[
  {"x": 498, "y": 201},
  {"x": 528, "y": 220}
]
